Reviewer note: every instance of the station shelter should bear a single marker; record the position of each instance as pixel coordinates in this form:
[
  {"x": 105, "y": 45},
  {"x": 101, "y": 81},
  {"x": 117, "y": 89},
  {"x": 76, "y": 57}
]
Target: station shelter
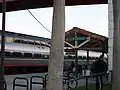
[{"x": 79, "y": 39}]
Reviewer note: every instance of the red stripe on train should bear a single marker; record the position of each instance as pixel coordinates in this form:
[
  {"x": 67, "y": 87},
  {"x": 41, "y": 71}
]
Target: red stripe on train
[{"x": 17, "y": 65}]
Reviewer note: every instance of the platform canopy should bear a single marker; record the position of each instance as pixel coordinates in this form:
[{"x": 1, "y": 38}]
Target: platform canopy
[
  {"x": 13, "y": 5},
  {"x": 87, "y": 40}
]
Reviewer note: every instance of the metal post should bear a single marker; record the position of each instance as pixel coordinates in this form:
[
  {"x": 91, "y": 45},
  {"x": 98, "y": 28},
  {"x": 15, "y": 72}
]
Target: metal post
[
  {"x": 87, "y": 58},
  {"x": 76, "y": 53},
  {"x": 76, "y": 42},
  {"x": 86, "y": 82},
  {"x": 2, "y": 80},
  {"x": 76, "y": 60},
  {"x": 87, "y": 69},
  {"x": 56, "y": 61}
]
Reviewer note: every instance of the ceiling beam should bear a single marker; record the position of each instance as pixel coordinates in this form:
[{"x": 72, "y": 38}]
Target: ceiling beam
[{"x": 14, "y": 5}]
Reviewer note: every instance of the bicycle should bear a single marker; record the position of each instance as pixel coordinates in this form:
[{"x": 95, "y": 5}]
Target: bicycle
[{"x": 69, "y": 80}]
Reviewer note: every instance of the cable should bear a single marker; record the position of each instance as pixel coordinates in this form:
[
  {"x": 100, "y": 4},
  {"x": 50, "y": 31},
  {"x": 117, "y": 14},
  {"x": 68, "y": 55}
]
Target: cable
[{"x": 38, "y": 21}]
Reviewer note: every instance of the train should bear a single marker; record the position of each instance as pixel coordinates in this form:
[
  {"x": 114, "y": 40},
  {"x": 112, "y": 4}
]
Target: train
[
  {"x": 21, "y": 57},
  {"x": 30, "y": 54}
]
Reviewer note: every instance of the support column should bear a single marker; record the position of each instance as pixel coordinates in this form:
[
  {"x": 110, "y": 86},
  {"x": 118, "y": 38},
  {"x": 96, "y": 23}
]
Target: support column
[
  {"x": 76, "y": 60},
  {"x": 116, "y": 45},
  {"x": 87, "y": 59},
  {"x": 56, "y": 61},
  {"x": 2, "y": 80}
]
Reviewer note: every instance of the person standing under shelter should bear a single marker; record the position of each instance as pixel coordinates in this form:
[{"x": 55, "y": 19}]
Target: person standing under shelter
[{"x": 99, "y": 66}]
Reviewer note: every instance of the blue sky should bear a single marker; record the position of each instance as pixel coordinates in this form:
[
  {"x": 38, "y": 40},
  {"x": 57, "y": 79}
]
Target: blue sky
[{"x": 93, "y": 18}]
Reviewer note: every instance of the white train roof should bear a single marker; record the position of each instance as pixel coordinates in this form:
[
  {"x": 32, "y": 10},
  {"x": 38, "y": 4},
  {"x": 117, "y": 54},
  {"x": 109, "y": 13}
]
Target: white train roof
[
  {"x": 39, "y": 49},
  {"x": 19, "y": 47}
]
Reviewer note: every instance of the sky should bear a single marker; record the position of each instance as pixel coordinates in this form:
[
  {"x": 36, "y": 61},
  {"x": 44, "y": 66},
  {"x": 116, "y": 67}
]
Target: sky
[{"x": 92, "y": 18}]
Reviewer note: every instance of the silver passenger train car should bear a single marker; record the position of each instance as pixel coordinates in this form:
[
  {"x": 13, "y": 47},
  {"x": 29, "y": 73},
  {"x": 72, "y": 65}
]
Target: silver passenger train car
[
  {"x": 26, "y": 54},
  {"x": 21, "y": 58}
]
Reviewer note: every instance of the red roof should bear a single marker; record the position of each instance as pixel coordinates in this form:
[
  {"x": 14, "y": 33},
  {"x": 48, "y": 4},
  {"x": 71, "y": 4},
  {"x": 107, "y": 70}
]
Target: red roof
[
  {"x": 85, "y": 33},
  {"x": 97, "y": 42}
]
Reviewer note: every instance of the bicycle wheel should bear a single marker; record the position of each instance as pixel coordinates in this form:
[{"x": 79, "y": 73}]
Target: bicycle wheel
[
  {"x": 73, "y": 84},
  {"x": 71, "y": 75}
]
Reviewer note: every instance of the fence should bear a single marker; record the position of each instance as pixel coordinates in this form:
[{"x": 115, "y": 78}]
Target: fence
[
  {"x": 20, "y": 85},
  {"x": 5, "y": 86},
  {"x": 69, "y": 82},
  {"x": 36, "y": 82},
  {"x": 87, "y": 81}
]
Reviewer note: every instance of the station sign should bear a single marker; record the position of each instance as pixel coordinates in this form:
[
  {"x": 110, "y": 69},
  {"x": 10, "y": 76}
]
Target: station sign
[{"x": 75, "y": 38}]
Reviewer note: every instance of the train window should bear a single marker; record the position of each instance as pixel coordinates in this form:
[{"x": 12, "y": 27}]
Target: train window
[
  {"x": 36, "y": 43},
  {"x": 80, "y": 57},
  {"x": 17, "y": 41},
  {"x": 73, "y": 57},
  {"x": 38, "y": 46},
  {"x": 7, "y": 54},
  {"x": 93, "y": 58},
  {"x": 69, "y": 57},
  {"x": 42, "y": 47},
  {"x": 84, "y": 57},
  {"x": 31, "y": 43},
  {"x": 17, "y": 54},
  {"x": 46, "y": 56},
  {"x": 22, "y": 41},
  {"x": 27, "y": 55},
  {"x": 26, "y": 42},
  {"x": 43, "y": 56},
  {"x": 65, "y": 57},
  {"x": 90, "y": 58},
  {"x": 96, "y": 58},
  {"x": 37, "y": 55}
]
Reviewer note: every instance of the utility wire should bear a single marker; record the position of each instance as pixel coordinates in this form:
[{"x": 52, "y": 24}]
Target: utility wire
[{"x": 38, "y": 21}]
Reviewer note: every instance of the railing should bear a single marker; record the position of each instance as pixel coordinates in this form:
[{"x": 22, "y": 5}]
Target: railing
[
  {"x": 5, "y": 86},
  {"x": 45, "y": 80},
  {"x": 36, "y": 82},
  {"x": 70, "y": 81},
  {"x": 20, "y": 85}
]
